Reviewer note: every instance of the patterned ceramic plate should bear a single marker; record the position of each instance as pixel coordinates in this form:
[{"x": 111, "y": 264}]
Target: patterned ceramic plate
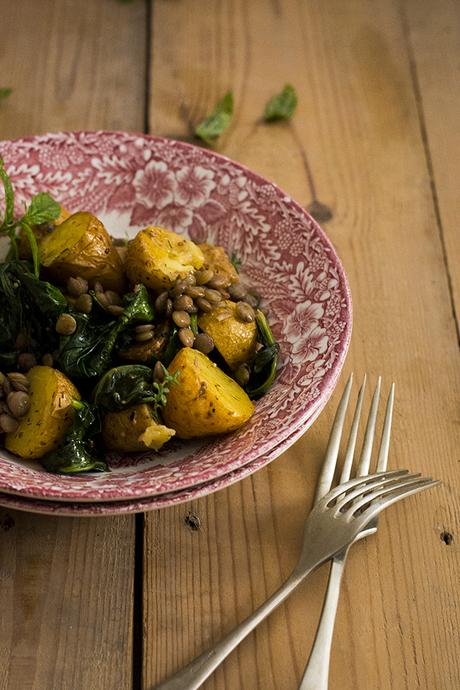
[
  {"x": 130, "y": 181},
  {"x": 101, "y": 509}
]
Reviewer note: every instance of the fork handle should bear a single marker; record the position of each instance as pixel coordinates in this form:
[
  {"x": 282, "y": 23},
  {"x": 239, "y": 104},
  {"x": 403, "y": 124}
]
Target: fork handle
[
  {"x": 316, "y": 674},
  {"x": 193, "y": 675}
]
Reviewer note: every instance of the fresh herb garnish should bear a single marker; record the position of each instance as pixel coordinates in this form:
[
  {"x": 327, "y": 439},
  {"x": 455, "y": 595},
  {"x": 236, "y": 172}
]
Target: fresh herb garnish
[
  {"x": 212, "y": 127},
  {"x": 42, "y": 209},
  {"x": 76, "y": 452},
  {"x": 5, "y": 92},
  {"x": 281, "y": 106}
]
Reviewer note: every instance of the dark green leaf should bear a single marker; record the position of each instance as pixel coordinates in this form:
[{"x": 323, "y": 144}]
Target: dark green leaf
[
  {"x": 42, "y": 209},
  {"x": 9, "y": 196},
  {"x": 172, "y": 348},
  {"x": 76, "y": 453},
  {"x": 213, "y": 126},
  {"x": 281, "y": 106},
  {"x": 264, "y": 364},
  {"x": 236, "y": 262},
  {"x": 33, "y": 247},
  {"x": 5, "y": 92}
]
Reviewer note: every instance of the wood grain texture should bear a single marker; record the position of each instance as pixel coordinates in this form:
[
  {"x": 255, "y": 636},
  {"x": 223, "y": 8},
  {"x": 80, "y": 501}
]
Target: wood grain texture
[
  {"x": 356, "y": 146},
  {"x": 433, "y": 35},
  {"x": 66, "y": 585}
]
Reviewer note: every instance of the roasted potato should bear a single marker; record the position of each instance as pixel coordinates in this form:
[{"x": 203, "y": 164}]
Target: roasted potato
[
  {"x": 205, "y": 401},
  {"x": 49, "y": 417},
  {"x": 157, "y": 257},
  {"x": 235, "y": 339},
  {"x": 81, "y": 246},
  {"x": 40, "y": 231},
  {"x": 216, "y": 258},
  {"x": 134, "y": 429}
]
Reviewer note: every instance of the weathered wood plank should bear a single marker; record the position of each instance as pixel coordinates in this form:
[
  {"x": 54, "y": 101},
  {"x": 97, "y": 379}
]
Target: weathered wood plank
[
  {"x": 357, "y": 137},
  {"x": 66, "y": 585}
]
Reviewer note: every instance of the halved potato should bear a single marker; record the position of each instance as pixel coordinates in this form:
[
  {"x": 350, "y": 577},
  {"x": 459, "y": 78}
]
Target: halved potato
[
  {"x": 157, "y": 257},
  {"x": 235, "y": 339},
  {"x": 81, "y": 246},
  {"x": 134, "y": 429},
  {"x": 205, "y": 401},
  {"x": 49, "y": 417},
  {"x": 40, "y": 232},
  {"x": 216, "y": 258}
]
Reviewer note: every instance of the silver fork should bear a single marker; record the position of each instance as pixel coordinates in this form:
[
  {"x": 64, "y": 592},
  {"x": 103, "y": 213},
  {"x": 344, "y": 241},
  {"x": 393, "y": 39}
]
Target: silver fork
[
  {"x": 333, "y": 524},
  {"x": 316, "y": 672}
]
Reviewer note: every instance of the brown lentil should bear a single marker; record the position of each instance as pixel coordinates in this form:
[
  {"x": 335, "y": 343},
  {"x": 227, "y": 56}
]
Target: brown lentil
[
  {"x": 224, "y": 294},
  {"x": 204, "y": 276},
  {"x": 251, "y": 299},
  {"x": 8, "y": 424},
  {"x": 178, "y": 288},
  {"x": 204, "y": 343},
  {"x": 213, "y": 296},
  {"x": 115, "y": 309},
  {"x": 144, "y": 337},
  {"x": 169, "y": 308},
  {"x": 6, "y": 386},
  {"x": 102, "y": 299},
  {"x": 19, "y": 403},
  {"x": 194, "y": 291},
  {"x": 190, "y": 279},
  {"x": 186, "y": 337},
  {"x": 113, "y": 297},
  {"x": 160, "y": 302},
  {"x": 98, "y": 287},
  {"x": 181, "y": 318},
  {"x": 219, "y": 281},
  {"x": 26, "y": 360},
  {"x": 245, "y": 312},
  {"x": 66, "y": 325},
  {"x": 4, "y": 407},
  {"x": 237, "y": 291},
  {"x": 204, "y": 305},
  {"x": 242, "y": 374},
  {"x": 19, "y": 381},
  {"x": 158, "y": 372},
  {"x": 21, "y": 341},
  {"x": 77, "y": 286},
  {"x": 84, "y": 303},
  {"x": 223, "y": 315},
  {"x": 48, "y": 360},
  {"x": 184, "y": 303},
  {"x": 144, "y": 328}
]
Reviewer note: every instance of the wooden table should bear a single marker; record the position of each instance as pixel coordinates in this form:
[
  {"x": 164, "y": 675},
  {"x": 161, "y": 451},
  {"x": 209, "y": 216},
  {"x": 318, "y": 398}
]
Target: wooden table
[{"x": 374, "y": 149}]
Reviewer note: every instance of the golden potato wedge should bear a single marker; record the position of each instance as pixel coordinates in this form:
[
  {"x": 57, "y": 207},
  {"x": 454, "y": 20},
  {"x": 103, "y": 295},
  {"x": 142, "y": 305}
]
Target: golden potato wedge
[
  {"x": 216, "y": 258},
  {"x": 40, "y": 231},
  {"x": 49, "y": 417},
  {"x": 134, "y": 429},
  {"x": 81, "y": 246},
  {"x": 205, "y": 401},
  {"x": 157, "y": 257},
  {"x": 235, "y": 339}
]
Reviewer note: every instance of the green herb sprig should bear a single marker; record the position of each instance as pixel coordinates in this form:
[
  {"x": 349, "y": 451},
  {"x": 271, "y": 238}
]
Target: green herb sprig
[
  {"x": 42, "y": 209},
  {"x": 281, "y": 106},
  {"x": 5, "y": 92},
  {"x": 218, "y": 121}
]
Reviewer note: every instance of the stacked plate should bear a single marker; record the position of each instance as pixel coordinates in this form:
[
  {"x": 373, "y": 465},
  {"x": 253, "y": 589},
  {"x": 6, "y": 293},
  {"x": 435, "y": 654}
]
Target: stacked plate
[{"x": 130, "y": 181}]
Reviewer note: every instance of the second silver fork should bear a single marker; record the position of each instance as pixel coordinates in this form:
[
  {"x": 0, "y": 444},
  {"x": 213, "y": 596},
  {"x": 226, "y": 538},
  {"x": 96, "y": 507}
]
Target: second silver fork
[{"x": 316, "y": 674}]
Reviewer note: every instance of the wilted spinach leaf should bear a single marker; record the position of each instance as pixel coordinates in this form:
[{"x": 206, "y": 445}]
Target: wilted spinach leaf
[
  {"x": 263, "y": 366},
  {"x": 76, "y": 453}
]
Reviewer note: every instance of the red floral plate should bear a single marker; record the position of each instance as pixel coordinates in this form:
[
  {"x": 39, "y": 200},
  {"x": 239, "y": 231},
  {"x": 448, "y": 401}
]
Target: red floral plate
[
  {"x": 132, "y": 180},
  {"x": 101, "y": 509}
]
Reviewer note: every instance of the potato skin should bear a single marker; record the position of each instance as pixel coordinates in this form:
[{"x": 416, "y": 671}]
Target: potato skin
[
  {"x": 49, "y": 417},
  {"x": 216, "y": 258},
  {"x": 81, "y": 246},
  {"x": 157, "y": 257},
  {"x": 134, "y": 429},
  {"x": 235, "y": 339},
  {"x": 205, "y": 401},
  {"x": 40, "y": 232}
]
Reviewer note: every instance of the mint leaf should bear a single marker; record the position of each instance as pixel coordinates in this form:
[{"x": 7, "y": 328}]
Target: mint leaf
[
  {"x": 5, "y": 92},
  {"x": 213, "y": 126},
  {"x": 281, "y": 106},
  {"x": 42, "y": 209}
]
